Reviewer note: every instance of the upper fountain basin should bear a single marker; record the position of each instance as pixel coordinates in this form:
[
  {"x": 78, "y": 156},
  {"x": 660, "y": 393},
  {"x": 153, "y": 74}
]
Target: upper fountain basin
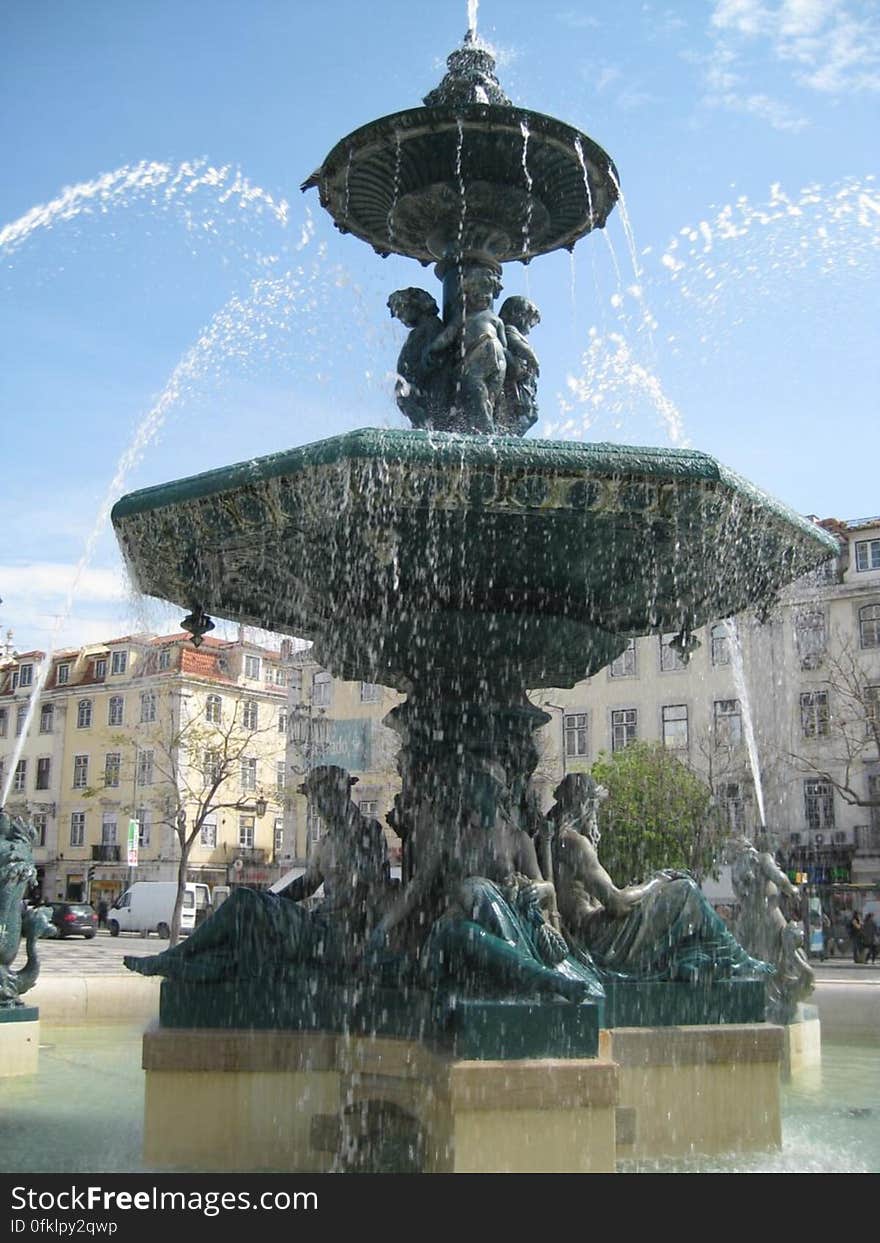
[
  {"x": 467, "y": 180},
  {"x": 394, "y": 549}
]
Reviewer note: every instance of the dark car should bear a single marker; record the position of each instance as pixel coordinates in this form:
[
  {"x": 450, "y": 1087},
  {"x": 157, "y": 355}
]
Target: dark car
[{"x": 75, "y": 919}]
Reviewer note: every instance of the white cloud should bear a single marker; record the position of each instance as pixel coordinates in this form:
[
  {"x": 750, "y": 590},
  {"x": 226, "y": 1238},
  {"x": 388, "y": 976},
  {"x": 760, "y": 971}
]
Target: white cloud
[
  {"x": 833, "y": 46},
  {"x": 48, "y": 579}
]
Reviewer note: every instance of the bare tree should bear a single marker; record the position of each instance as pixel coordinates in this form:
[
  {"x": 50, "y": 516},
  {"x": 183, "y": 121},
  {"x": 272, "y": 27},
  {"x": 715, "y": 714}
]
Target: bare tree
[
  {"x": 848, "y": 722},
  {"x": 205, "y": 762}
]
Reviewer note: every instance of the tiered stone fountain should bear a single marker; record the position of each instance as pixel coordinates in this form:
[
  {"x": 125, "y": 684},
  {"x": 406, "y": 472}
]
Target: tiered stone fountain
[{"x": 462, "y": 565}]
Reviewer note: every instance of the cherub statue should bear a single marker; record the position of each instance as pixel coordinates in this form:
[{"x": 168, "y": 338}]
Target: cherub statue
[
  {"x": 477, "y": 339},
  {"x": 422, "y": 391},
  {"x": 518, "y": 409}
]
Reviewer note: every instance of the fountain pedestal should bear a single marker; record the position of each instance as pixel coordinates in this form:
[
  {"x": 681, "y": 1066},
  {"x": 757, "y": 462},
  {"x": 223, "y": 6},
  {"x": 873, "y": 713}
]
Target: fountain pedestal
[{"x": 19, "y": 1041}]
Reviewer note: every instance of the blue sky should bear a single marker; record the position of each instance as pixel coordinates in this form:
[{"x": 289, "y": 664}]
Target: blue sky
[{"x": 175, "y": 274}]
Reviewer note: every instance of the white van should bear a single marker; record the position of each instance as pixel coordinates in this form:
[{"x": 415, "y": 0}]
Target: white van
[{"x": 147, "y": 906}]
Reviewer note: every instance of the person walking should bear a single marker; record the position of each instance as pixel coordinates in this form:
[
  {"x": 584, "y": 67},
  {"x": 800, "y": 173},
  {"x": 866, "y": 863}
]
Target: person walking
[
  {"x": 102, "y": 913},
  {"x": 870, "y": 937},
  {"x": 855, "y": 934}
]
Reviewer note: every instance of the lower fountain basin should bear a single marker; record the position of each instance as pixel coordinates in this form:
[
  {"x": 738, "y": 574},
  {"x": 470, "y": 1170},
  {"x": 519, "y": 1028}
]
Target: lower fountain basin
[{"x": 397, "y": 550}]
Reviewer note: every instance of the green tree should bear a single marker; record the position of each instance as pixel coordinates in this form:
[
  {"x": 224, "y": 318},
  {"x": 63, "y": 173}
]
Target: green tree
[{"x": 659, "y": 813}]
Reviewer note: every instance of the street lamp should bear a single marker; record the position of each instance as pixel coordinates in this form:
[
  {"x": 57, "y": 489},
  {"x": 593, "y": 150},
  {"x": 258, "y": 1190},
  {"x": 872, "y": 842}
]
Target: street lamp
[{"x": 260, "y": 806}]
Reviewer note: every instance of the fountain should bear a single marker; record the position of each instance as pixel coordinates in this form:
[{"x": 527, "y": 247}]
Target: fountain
[{"x": 466, "y": 1021}]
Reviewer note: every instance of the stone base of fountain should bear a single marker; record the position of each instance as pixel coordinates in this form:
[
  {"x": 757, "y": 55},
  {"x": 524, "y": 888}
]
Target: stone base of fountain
[
  {"x": 19, "y": 1041},
  {"x": 316, "y": 1102},
  {"x": 697, "y": 1090},
  {"x": 802, "y": 1041}
]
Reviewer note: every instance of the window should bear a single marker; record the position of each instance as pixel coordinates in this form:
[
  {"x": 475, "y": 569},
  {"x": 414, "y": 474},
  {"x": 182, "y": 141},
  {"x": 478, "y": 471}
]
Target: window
[
  {"x": 80, "y": 772},
  {"x": 44, "y": 766},
  {"x": 625, "y": 664},
  {"x": 252, "y": 666},
  {"x": 819, "y": 804},
  {"x": 720, "y": 644},
  {"x": 38, "y": 820},
  {"x": 213, "y": 709},
  {"x": 112, "y": 768},
  {"x": 4, "y": 722},
  {"x": 371, "y": 692},
  {"x": 26, "y": 675},
  {"x": 810, "y": 638},
  {"x": 874, "y": 795},
  {"x": 246, "y": 832},
  {"x": 248, "y": 774},
  {"x": 208, "y": 834},
  {"x": 280, "y": 775},
  {"x": 369, "y": 807},
  {"x": 148, "y": 707},
  {"x": 728, "y": 723},
  {"x": 115, "y": 710},
  {"x": 670, "y": 657},
  {"x": 624, "y": 723},
  {"x": 872, "y": 709},
  {"x": 165, "y": 659},
  {"x": 867, "y": 555},
  {"x": 731, "y": 796},
  {"x": 108, "y": 828},
  {"x": 250, "y": 714},
  {"x": 282, "y": 722},
  {"x": 144, "y": 817},
  {"x": 77, "y": 828},
  {"x": 144, "y": 772},
  {"x": 47, "y": 718},
  {"x": 20, "y": 778},
  {"x": 314, "y": 825},
  {"x": 212, "y": 767},
  {"x": 101, "y": 668},
  {"x": 295, "y": 681},
  {"x": 869, "y": 625},
  {"x": 574, "y": 731},
  {"x": 321, "y": 689},
  {"x": 279, "y": 835},
  {"x": 119, "y": 662},
  {"x": 62, "y": 677},
  {"x": 84, "y": 714},
  {"x": 20, "y": 718},
  {"x": 814, "y": 714},
  {"x": 675, "y": 726}
]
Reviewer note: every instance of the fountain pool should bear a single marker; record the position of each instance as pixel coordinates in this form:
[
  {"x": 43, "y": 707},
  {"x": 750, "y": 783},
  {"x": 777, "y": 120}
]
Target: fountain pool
[{"x": 84, "y": 1112}]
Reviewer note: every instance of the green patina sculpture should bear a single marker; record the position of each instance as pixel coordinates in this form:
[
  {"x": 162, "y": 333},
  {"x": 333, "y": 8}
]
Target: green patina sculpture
[
  {"x": 17, "y": 874},
  {"x": 462, "y": 565},
  {"x": 758, "y": 883},
  {"x": 664, "y": 929},
  {"x": 255, "y": 928}
]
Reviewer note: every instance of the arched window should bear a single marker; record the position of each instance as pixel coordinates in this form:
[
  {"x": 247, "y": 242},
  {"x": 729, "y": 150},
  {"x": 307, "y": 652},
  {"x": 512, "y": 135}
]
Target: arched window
[
  {"x": 84, "y": 714},
  {"x": 250, "y": 714},
  {"x": 720, "y": 644},
  {"x": 322, "y": 686},
  {"x": 213, "y": 709},
  {"x": 869, "y": 625}
]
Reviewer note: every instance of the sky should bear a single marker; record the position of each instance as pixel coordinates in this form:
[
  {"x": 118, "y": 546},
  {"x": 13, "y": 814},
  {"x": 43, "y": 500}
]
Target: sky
[{"x": 172, "y": 303}]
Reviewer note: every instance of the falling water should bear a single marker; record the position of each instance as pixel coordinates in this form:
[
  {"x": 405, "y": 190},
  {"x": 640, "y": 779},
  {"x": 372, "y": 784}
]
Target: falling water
[
  {"x": 527, "y": 223},
  {"x": 395, "y": 186},
  {"x": 742, "y": 690},
  {"x": 161, "y": 185}
]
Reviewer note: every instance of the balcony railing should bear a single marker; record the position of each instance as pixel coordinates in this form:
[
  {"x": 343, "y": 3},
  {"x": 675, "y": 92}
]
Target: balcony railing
[
  {"x": 105, "y": 854},
  {"x": 868, "y": 838},
  {"x": 252, "y": 856}
]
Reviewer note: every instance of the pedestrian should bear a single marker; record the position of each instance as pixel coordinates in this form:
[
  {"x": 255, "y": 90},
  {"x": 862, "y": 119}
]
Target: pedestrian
[
  {"x": 855, "y": 935},
  {"x": 870, "y": 937},
  {"x": 102, "y": 913}
]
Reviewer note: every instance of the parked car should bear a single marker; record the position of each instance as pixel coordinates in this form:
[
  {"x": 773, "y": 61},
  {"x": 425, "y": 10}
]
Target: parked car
[{"x": 75, "y": 919}]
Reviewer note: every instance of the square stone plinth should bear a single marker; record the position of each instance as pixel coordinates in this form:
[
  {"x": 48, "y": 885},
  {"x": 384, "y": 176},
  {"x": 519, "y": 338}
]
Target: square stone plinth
[
  {"x": 258, "y": 1100},
  {"x": 697, "y": 1090},
  {"x": 19, "y": 1041},
  {"x": 802, "y": 1042}
]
